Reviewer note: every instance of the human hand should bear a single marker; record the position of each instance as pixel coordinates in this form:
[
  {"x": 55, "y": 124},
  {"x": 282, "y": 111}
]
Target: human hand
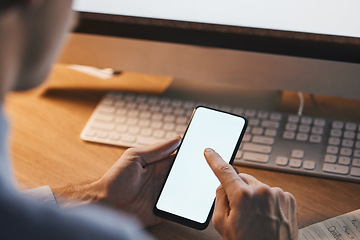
[
  {"x": 134, "y": 182},
  {"x": 131, "y": 185},
  {"x": 245, "y": 208}
]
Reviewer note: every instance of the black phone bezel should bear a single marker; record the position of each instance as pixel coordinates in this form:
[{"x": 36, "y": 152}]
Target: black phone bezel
[{"x": 182, "y": 220}]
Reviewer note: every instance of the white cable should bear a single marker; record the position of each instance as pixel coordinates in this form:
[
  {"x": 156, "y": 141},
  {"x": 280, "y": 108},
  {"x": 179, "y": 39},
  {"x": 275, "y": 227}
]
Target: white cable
[{"x": 301, "y": 105}]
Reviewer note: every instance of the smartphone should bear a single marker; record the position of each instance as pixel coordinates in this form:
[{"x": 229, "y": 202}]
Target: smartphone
[{"x": 188, "y": 195}]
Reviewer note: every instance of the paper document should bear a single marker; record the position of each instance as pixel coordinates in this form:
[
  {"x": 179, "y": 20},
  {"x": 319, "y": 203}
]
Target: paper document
[{"x": 344, "y": 227}]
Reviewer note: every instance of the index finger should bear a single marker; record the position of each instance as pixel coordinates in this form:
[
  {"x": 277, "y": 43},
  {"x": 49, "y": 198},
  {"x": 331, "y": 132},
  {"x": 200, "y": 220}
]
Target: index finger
[{"x": 226, "y": 174}]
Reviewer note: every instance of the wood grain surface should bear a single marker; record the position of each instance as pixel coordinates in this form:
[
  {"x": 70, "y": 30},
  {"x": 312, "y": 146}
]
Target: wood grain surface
[{"x": 47, "y": 150}]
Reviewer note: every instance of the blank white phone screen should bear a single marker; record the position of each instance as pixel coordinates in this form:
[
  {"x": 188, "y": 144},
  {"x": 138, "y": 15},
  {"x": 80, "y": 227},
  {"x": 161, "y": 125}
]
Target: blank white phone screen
[{"x": 190, "y": 189}]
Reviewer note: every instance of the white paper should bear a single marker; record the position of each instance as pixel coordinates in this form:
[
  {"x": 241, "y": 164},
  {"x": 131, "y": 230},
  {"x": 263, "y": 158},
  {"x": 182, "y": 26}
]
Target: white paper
[
  {"x": 344, "y": 227},
  {"x": 103, "y": 74}
]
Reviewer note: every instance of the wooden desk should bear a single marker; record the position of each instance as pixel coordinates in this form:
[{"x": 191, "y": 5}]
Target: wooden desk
[{"x": 47, "y": 150}]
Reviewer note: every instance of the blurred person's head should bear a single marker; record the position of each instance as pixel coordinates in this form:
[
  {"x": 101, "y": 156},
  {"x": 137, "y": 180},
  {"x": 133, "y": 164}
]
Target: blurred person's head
[{"x": 31, "y": 34}]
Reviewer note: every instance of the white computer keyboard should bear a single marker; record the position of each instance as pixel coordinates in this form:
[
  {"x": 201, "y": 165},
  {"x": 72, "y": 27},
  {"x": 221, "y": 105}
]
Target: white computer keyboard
[{"x": 273, "y": 140}]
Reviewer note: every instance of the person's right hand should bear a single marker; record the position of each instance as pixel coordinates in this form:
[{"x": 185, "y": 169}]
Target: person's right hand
[{"x": 245, "y": 208}]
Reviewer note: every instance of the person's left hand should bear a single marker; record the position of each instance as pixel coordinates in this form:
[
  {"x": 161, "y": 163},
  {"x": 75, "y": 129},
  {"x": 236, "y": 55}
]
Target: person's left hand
[{"x": 133, "y": 183}]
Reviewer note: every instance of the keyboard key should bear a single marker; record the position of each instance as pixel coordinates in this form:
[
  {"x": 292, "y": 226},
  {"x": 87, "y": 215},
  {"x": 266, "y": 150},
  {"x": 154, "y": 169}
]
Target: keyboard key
[
  {"x": 347, "y": 143},
  {"x": 357, "y": 153},
  {"x": 306, "y": 120},
  {"x": 338, "y": 124},
  {"x": 335, "y": 133},
  {"x": 157, "y": 117},
  {"x": 238, "y": 111},
  {"x": 355, "y": 171},
  {"x": 103, "y": 126},
  {"x": 330, "y": 158},
  {"x": 146, "y": 140},
  {"x": 182, "y": 120},
  {"x": 102, "y": 134},
  {"x": 256, "y": 148},
  {"x": 122, "y": 128},
  {"x": 144, "y": 123},
  {"x": 335, "y": 168},
  {"x": 133, "y": 113},
  {"x": 104, "y": 118},
  {"x": 180, "y": 129},
  {"x": 189, "y": 104},
  {"x": 315, "y": 139},
  {"x": 132, "y": 121},
  {"x": 257, "y": 131},
  {"x": 263, "y": 140},
  {"x": 169, "y": 126},
  {"x": 263, "y": 114},
  {"x": 156, "y": 124},
  {"x": 351, "y": 126},
  {"x": 254, "y": 122},
  {"x": 304, "y": 128},
  {"x": 291, "y": 127},
  {"x": 107, "y": 109},
  {"x": 275, "y": 116},
  {"x": 356, "y": 162},
  {"x": 159, "y": 133},
  {"x": 247, "y": 137},
  {"x": 357, "y": 145},
  {"x": 121, "y": 112},
  {"x": 317, "y": 130},
  {"x": 302, "y": 137},
  {"x": 90, "y": 133},
  {"x": 319, "y": 122},
  {"x": 250, "y": 113},
  {"x": 270, "y": 132},
  {"x": 346, "y": 151},
  {"x": 169, "y": 118},
  {"x": 282, "y": 161},
  {"x": 155, "y": 109},
  {"x": 332, "y": 150},
  {"x": 297, "y": 153},
  {"x": 344, "y": 160},
  {"x": 167, "y": 110},
  {"x": 256, "y": 157},
  {"x": 295, "y": 163},
  {"x": 239, "y": 154},
  {"x": 114, "y": 136},
  {"x": 145, "y": 115},
  {"x": 289, "y": 135},
  {"x": 349, "y": 134},
  {"x": 146, "y": 132},
  {"x": 334, "y": 141},
  {"x": 176, "y": 103},
  {"x": 270, "y": 124},
  {"x": 164, "y": 101},
  {"x": 293, "y": 119},
  {"x": 171, "y": 134},
  {"x": 309, "y": 165},
  {"x": 143, "y": 107},
  {"x": 134, "y": 130},
  {"x": 120, "y": 120},
  {"x": 225, "y": 108}
]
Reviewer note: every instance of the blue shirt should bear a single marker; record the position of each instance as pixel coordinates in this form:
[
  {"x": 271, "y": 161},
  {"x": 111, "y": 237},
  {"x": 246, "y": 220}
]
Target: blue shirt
[{"x": 40, "y": 218}]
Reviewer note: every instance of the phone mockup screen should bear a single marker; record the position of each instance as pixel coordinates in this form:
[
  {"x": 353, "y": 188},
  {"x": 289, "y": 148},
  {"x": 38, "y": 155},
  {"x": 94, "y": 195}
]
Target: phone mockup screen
[{"x": 190, "y": 189}]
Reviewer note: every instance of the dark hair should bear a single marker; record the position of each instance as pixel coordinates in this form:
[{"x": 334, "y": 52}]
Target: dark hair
[{"x": 5, "y": 4}]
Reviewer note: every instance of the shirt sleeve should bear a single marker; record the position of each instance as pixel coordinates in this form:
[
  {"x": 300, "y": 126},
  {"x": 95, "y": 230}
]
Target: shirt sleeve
[
  {"x": 42, "y": 195},
  {"x": 22, "y": 218}
]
